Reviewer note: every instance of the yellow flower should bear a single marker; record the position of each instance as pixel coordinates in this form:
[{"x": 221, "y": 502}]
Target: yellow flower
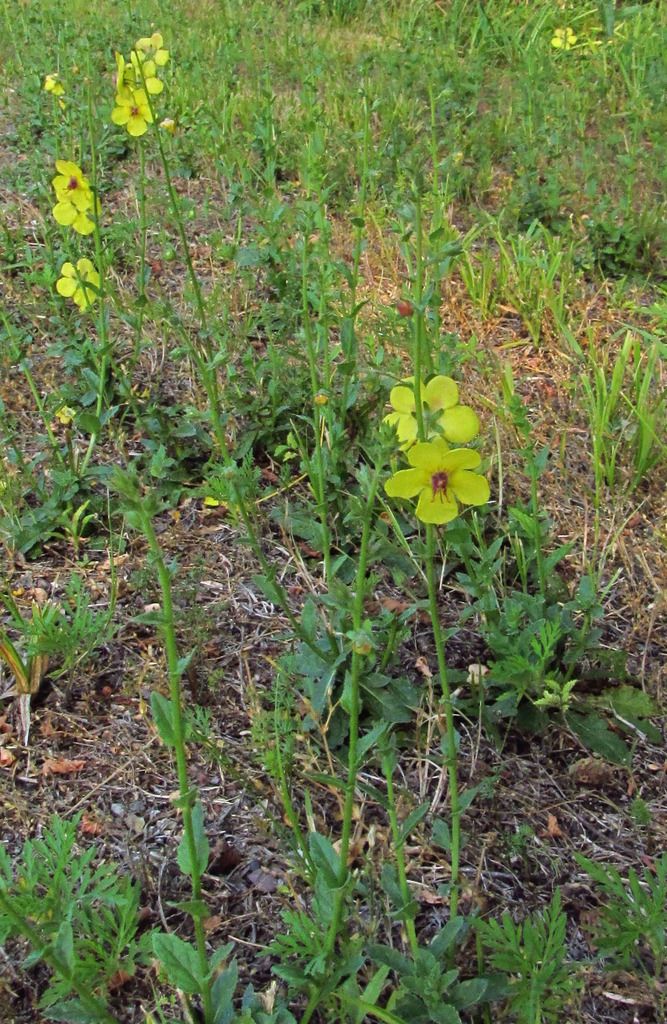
[
  {"x": 169, "y": 125},
  {"x": 152, "y": 46},
  {"x": 563, "y": 39},
  {"x": 132, "y": 111},
  {"x": 75, "y": 197},
  {"x": 65, "y": 415},
  {"x": 80, "y": 284},
  {"x": 52, "y": 85},
  {"x": 458, "y": 423},
  {"x": 441, "y": 477}
]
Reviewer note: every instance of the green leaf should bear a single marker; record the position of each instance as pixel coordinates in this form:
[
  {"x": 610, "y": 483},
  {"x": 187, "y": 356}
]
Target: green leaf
[
  {"x": 223, "y": 990},
  {"x": 467, "y": 993},
  {"x": 63, "y": 944},
  {"x": 202, "y": 848},
  {"x": 441, "y": 835},
  {"x": 595, "y": 735},
  {"x": 446, "y": 937},
  {"x": 163, "y": 714},
  {"x": 325, "y": 858},
  {"x": 195, "y": 908},
  {"x": 179, "y": 961},
  {"x": 631, "y": 702},
  {"x": 370, "y": 739},
  {"x": 72, "y": 1012},
  {"x": 88, "y": 423},
  {"x": 392, "y": 958},
  {"x": 413, "y": 819}
]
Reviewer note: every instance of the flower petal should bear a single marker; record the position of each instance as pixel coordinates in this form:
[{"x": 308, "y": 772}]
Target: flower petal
[
  {"x": 470, "y": 488},
  {"x": 120, "y": 115},
  {"x": 406, "y": 483},
  {"x": 429, "y": 455},
  {"x": 66, "y": 286},
  {"x": 65, "y": 213},
  {"x": 434, "y": 508},
  {"x": 459, "y": 458},
  {"x": 83, "y": 224},
  {"x": 459, "y": 424},
  {"x": 136, "y": 126},
  {"x": 68, "y": 169},
  {"x": 402, "y": 399},
  {"x": 441, "y": 393}
]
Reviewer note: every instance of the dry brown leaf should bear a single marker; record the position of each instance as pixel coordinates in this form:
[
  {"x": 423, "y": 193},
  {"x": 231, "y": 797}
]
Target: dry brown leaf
[
  {"x": 90, "y": 827},
  {"x": 62, "y": 766},
  {"x": 119, "y": 979},
  {"x": 211, "y": 923},
  {"x": 46, "y": 726},
  {"x": 6, "y": 758},
  {"x": 421, "y": 665},
  {"x": 553, "y": 828}
]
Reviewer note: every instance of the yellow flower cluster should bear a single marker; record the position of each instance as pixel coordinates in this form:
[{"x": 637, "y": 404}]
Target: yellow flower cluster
[
  {"x": 75, "y": 198},
  {"x": 440, "y": 476},
  {"x": 136, "y": 81},
  {"x": 563, "y": 39},
  {"x": 53, "y": 85}
]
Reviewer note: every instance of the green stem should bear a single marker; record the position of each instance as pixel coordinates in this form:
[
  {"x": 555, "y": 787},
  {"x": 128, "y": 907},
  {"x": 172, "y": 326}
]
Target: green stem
[
  {"x": 176, "y": 210},
  {"x": 353, "y": 743},
  {"x": 143, "y": 226},
  {"x": 103, "y": 363},
  {"x": 431, "y": 546},
  {"x": 96, "y": 1009},
  {"x": 419, "y": 321},
  {"x": 318, "y": 478},
  {"x": 356, "y": 253},
  {"x": 447, "y": 705},
  {"x": 207, "y": 372},
  {"x": 269, "y": 572},
  {"x": 285, "y": 794},
  {"x": 42, "y": 412},
  {"x": 187, "y": 796},
  {"x": 534, "y": 500},
  {"x": 399, "y": 851}
]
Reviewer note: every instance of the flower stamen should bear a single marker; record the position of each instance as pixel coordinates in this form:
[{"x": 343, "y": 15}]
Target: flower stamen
[{"x": 439, "y": 483}]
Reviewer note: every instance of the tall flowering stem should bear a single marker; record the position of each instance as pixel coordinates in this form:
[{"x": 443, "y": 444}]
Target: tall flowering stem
[
  {"x": 143, "y": 227},
  {"x": 102, "y": 325},
  {"x": 451, "y": 751},
  {"x": 205, "y": 365},
  {"x": 356, "y": 667},
  {"x": 318, "y": 478},
  {"x": 139, "y": 510}
]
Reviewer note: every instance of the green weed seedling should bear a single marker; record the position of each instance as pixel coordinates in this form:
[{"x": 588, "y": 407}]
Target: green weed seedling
[
  {"x": 631, "y": 926},
  {"x": 78, "y": 917},
  {"x": 65, "y": 634},
  {"x": 542, "y": 981}
]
